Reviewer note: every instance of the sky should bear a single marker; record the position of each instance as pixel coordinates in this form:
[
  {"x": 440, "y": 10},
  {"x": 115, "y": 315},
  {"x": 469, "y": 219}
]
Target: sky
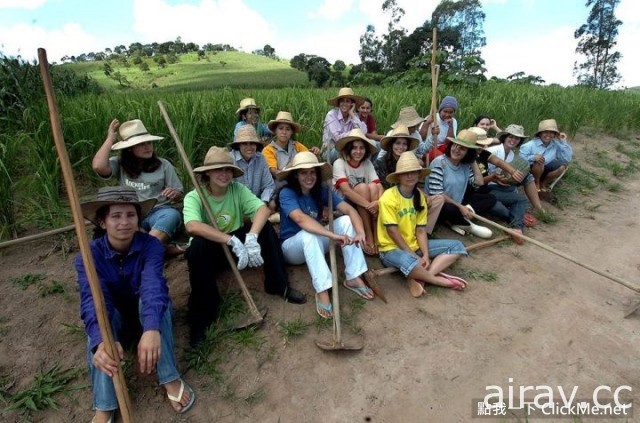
[{"x": 533, "y": 36}]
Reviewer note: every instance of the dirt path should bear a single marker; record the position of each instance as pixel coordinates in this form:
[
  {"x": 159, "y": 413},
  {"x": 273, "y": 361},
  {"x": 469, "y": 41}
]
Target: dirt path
[{"x": 544, "y": 321}]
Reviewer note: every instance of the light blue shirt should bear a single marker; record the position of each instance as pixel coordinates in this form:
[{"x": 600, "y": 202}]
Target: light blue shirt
[
  {"x": 556, "y": 150},
  {"x": 256, "y": 175},
  {"x": 261, "y": 129}
]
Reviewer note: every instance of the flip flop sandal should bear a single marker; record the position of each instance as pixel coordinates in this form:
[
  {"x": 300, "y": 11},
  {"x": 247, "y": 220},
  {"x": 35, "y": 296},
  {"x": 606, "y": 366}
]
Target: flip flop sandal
[
  {"x": 360, "y": 290},
  {"x": 192, "y": 397},
  {"x": 530, "y": 220},
  {"x": 459, "y": 284},
  {"x": 326, "y": 308}
]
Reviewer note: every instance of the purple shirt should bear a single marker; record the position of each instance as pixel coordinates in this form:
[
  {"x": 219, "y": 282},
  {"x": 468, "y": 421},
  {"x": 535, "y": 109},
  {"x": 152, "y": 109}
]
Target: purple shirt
[
  {"x": 336, "y": 127},
  {"x": 125, "y": 281}
]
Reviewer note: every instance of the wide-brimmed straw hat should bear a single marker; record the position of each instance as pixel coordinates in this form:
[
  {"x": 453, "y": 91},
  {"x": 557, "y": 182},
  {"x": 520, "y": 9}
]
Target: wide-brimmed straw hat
[
  {"x": 548, "y": 125},
  {"x": 466, "y": 138},
  {"x": 246, "y": 104},
  {"x": 306, "y": 160},
  {"x": 408, "y": 117},
  {"x": 512, "y": 129},
  {"x": 348, "y": 93},
  {"x": 108, "y": 196},
  {"x": 400, "y": 131},
  {"x": 408, "y": 162},
  {"x": 218, "y": 158},
  {"x": 283, "y": 117},
  {"x": 133, "y": 132},
  {"x": 482, "y": 136},
  {"x": 246, "y": 134},
  {"x": 353, "y": 135}
]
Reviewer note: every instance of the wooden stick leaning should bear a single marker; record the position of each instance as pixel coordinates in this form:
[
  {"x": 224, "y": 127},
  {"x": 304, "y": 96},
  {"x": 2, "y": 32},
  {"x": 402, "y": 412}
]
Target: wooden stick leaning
[
  {"x": 41, "y": 235},
  {"x": 560, "y": 253},
  {"x": 435, "y": 69},
  {"x": 185, "y": 159},
  {"x": 122, "y": 394}
]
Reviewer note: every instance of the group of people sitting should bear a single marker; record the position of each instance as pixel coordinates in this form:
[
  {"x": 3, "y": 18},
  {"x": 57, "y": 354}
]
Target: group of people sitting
[{"x": 387, "y": 201}]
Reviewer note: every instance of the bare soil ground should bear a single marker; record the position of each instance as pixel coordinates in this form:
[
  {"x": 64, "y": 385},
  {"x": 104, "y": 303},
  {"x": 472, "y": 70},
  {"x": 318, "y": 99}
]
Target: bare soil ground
[{"x": 542, "y": 321}]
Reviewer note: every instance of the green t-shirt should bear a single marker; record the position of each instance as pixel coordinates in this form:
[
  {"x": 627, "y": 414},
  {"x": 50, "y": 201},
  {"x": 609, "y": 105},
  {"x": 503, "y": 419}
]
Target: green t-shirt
[{"x": 229, "y": 212}]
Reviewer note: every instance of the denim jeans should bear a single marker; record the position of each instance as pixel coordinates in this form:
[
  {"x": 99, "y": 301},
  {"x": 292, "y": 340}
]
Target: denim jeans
[
  {"x": 104, "y": 394},
  {"x": 163, "y": 218},
  {"x": 305, "y": 247},
  {"x": 511, "y": 205},
  {"x": 405, "y": 261}
]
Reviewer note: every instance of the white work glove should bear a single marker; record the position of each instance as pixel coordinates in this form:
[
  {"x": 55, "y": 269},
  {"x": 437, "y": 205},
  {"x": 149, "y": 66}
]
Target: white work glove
[
  {"x": 240, "y": 251},
  {"x": 253, "y": 248}
]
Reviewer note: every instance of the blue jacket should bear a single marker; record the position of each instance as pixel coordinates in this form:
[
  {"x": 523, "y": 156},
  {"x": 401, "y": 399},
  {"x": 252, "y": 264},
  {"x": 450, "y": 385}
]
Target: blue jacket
[{"x": 125, "y": 281}]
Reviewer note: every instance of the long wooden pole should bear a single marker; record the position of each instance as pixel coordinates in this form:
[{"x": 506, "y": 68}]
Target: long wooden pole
[
  {"x": 83, "y": 241},
  {"x": 41, "y": 235},
  {"x": 185, "y": 159},
  {"x": 434, "y": 87}
]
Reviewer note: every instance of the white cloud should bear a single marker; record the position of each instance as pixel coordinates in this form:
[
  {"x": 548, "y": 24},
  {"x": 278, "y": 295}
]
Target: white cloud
[
  {"x": 331, "y": 10},
  {"x": 550, "y": 55},
  {"x": 21, "y": 4},
  {"x": 342, "y": 44},
  {"x": 215, "y": 21}
]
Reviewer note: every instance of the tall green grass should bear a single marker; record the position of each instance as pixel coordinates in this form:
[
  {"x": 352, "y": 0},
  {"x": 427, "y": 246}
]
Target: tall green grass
[{"x": 30, "y": 179}]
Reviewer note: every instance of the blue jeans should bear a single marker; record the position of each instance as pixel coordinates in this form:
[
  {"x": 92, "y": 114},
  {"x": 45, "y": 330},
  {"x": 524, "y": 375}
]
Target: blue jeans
[
  {"x": 405, "y": 261},
  {"x": 511, "y": 205},
  {"x": 163, "y": 218},
  {"x": 104, "y": 394}
]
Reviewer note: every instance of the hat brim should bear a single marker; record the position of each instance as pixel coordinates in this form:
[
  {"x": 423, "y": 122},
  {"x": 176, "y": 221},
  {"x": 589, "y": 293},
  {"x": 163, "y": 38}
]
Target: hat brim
[
  {"x": 501, "y": 134},
  {"x": 236, "y": 170},
  {"x": 90, "y": 208},
  {"x": 274, "y": 123},
  {"x": 387, "y": 142},
  {"x": 235, "y": 145},
  {"x": 392, "y": 178},
  {"x": 415, "y": 122},
  {"x": 121, "y": 145},
  {"x": 464, "y": 143},
  {"x": 342, "y": 142},
  {"x": 246, "y": 108},
  {"x": 485, "y": 143},
  {"x": 355, "y": 98},
  {"x": 326, "y": 171}
]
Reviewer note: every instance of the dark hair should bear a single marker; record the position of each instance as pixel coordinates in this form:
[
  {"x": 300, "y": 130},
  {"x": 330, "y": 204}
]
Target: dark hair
[
  {"x": 316, "y": 190},
  {"x": 346, "y": 150},
  {"x": 134, "y": 166},
  {"x": 417, "y": 197},
  {"x": 479, "y": 118},
  {"x": 469, "y": 157},
  {"x": 368, "y": 100},
  {"x": 101, "y": 215},
  {"x": 243, "y": 113},
  {"x": 504, "y": 136}
]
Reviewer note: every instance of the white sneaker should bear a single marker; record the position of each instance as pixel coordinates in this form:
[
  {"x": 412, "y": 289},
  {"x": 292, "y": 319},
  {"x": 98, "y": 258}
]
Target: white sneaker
[
  {"x": 480, "y": 231},
  {"x": 461, "y": 230}
]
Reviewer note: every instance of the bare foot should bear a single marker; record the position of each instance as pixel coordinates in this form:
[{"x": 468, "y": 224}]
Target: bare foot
[
  {"x": 416, "y": 287},
  {"x": 518, "y": 240},
  {"x": 173, "y": 389}
]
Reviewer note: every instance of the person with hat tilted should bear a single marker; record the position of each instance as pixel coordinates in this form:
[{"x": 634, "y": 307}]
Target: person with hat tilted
[
  {"x": 306, "y": 240},
  {"x": 254, "y": 244},
  {"x": 340, "y": 120},
  {"x": 402, "y": 234},
  {"x": 356, "y": 179},
  {"x": 283, "y": 148},
  {"x": 249, "y": 114},
  {"x": 130, "y": 269},
  {"x": 152, "y": 177},
  {"x": 453, "y": 174},
  {"x": 548, "y": 154},
  {"x": 246, "y": 151}
]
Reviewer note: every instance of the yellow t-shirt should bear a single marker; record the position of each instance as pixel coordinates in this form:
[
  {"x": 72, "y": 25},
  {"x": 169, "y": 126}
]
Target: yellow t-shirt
[{"x": 398, "y": 210}]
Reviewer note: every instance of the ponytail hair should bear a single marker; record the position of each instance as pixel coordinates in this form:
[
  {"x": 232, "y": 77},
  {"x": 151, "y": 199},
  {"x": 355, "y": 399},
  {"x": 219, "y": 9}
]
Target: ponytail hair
[{"x": 417, "y": 199}]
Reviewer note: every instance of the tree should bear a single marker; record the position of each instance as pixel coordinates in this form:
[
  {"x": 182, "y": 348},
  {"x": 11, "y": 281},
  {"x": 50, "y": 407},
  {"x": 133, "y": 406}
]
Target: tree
[
  {"x": 370, "y": 50},
  {"x": 596, "y": 41},
  {"x": 269, "y": 51},
  {"x": 339, "y": 66},
  {"x": 299, "y": 62},
  {"x": 318, "y": 70}
]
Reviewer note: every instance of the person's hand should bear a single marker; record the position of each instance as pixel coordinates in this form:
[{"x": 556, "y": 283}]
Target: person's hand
[
  {"x": 429, "y": 119},
  {"x": 466, "y": 213},
  {"x": 500, "y": 179},
  {"x": 149, "y": 351},
  {"x": 563, "y": 136},
  {"x": 112, "y": 132},
  {"x": 315, "y": 150},
  {"x": 424, "y": 262},
  {"x": 240, "y": 251},
  {"x": 342, "y": 240},
  {"x": 171, "y": 193},
  {"x": 253, "y": 250},
  {"x": 538, "y": 158},
  {"x": 372, "y": 207},
  {"x": 435, "y": 130},
  {"x": 104, "y": 363},
  {"x": 359, "y": 239},
  {"x": 517, "y": 176}
]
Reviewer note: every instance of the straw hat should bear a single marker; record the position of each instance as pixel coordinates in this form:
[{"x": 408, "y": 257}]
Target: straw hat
[
  {"x": 482, "y": 136},
  {"x": 246, "y": 104},
  {"x": 512, "y": 129},
  {"x": 353, "y": 135},
  {"x": 218, "y": 158},
  {"x": 348, "y": 93},
  {"x": 400, "y": 131},
  {"x": 306, "y": 160},
  {"x": 408, "y": 117},
  {"x": 246, "y": 134},
  {"x": 115, "y": 195},
  {"x": 408, "y": 162},
  {"x": 466, "y": 138},
  {"x": 283, "y": 117},
  {"x": 133, "y": 132},
  {"x": 518, "y": 163},
  {"x": 548, "y": 125}
]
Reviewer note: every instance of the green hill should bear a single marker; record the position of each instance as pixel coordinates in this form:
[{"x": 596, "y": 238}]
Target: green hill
[{"x": 214, "y": 70}]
